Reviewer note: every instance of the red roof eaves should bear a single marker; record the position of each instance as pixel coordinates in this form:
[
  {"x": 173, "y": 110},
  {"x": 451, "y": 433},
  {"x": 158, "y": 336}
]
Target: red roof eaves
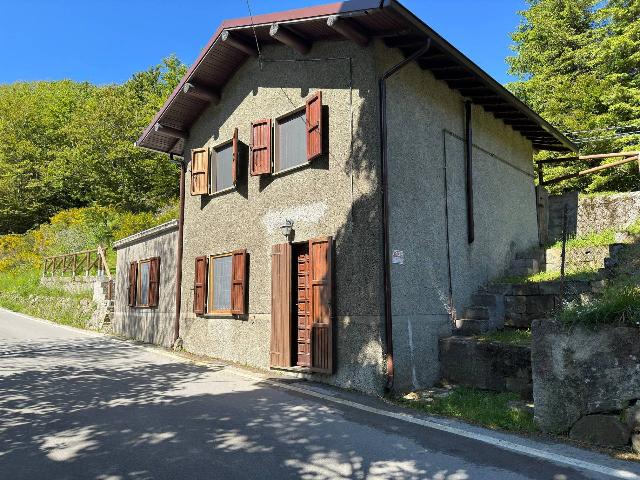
[{"x": 284, "y": 16}]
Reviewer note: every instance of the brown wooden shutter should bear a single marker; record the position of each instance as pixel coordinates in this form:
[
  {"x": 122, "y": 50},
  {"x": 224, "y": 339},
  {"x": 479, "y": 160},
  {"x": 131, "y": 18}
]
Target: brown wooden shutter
[
  {"x": 314, "y": 126},
  {"x": 200, "y": 285},
  {"x": 321, "y": 258},
  {"x": 261, "y": 147},
  {"x": 239, "y": 282},
  {"x": 235, "y": 165},
  {"x": 199, "y": 171},
  {"x": 133, "y": 283},
  {"x": 281, "y": 305},
  {"x": 154, "y": 281}
]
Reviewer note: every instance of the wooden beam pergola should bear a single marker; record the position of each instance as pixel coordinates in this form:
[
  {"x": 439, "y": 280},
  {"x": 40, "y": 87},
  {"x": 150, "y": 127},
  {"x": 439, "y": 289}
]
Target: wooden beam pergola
[{"x": 627, "y": 157}]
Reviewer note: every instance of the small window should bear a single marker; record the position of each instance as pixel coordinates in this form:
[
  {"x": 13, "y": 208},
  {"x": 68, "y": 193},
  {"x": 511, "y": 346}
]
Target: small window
[
  {"x": 220, "y": 278},
  {"x": 291, "y": 140},
  {"x": 143, "y": 283},
  {"x": 222, "y": 167}
]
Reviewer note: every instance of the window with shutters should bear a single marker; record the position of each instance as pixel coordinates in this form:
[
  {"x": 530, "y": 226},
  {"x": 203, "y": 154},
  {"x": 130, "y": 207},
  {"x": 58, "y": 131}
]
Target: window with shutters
[
  {"x": 224, "y": 165},
  {"x": 290, "y": 140},
  {"x": 222, "y": 281},
  {"x": 144, "y": 283}
]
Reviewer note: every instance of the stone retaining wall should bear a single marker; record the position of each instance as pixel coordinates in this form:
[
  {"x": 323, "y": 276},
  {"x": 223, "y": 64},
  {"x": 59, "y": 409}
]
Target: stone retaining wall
[
  {"x": 527, "y": 301},
  {"x": 587, "y": 382},
  {"x": 76, "y": 284},
  {"x": 592, "y": 214},
  {"x": 494, "y": 366}
]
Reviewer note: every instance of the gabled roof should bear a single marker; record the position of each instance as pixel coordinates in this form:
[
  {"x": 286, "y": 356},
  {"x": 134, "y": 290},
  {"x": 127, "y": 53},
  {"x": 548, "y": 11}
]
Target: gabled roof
[{"x": 359, "y": 20}]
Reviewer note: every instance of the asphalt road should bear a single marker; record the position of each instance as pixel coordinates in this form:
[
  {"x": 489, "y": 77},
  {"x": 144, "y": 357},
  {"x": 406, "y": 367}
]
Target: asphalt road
[{"x": 75, "y": 405}]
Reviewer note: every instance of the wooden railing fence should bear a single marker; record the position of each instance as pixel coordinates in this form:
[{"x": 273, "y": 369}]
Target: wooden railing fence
[
  {"x": 626, "y": 157},
  {"x": 87, "y": 262}
]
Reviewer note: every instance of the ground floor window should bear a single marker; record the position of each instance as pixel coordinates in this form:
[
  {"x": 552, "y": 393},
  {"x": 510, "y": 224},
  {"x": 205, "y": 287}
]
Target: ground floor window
[
  {"x": 220, "y": 284},
  {"x": 144, "y": 283}
]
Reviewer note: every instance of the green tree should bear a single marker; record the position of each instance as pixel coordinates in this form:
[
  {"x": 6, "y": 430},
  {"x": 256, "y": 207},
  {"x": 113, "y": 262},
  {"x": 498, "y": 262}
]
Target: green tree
[
  {"x": 66, "y": 144},
  {"x": 578, "y": 62}
]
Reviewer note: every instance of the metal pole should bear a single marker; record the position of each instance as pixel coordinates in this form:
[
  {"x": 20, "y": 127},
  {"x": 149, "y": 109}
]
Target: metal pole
[{"x": 564, "y": 251}]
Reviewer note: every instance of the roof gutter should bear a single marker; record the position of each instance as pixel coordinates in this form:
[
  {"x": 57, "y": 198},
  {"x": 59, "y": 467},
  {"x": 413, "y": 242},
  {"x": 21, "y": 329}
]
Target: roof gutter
[{"x": 388, "y": 313}]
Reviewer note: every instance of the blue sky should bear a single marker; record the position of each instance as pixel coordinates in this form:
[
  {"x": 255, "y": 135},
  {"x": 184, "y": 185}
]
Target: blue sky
[{"x": 107, "y": 41}]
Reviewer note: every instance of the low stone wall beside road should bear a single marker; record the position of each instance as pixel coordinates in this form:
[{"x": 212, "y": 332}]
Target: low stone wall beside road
[{"x": 587, "y": 382}]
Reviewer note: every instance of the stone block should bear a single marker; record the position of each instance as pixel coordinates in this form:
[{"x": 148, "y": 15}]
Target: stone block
[
  {"x": 486, "y": 365},
  {"x": 605, "y": 430},
  {"x": 579, "y": 372}
]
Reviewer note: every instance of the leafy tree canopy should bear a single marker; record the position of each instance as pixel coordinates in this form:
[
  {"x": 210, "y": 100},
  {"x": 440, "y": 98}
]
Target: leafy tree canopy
[
  {"x": 578, "y": 64},
  {"x": 66, "y": 144}
]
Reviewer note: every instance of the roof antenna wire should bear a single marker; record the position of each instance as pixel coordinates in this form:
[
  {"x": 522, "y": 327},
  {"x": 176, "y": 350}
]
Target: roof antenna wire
[{"x": 253, "y": 27}]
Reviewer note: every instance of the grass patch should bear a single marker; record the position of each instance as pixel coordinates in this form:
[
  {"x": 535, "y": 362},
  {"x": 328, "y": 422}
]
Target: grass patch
[
  {"x": 554, "y": 276},
  {"x": 617, "y": 306},
  {"x": 594, "y": 239},
  {"x": 490, "y": 409},
  {"x": 634, "y": 228},
  {"x": 509, "y": 336},
  {"x": 20, "y": 291}
]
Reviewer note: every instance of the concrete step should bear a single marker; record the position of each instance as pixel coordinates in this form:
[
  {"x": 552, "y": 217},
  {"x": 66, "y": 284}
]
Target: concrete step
[
  {"x": 468, "y": 326},
  {"x": 525, "y": 263},
  {"x": 476, "y": 312},
  {"x": 521, "y": 272},
  {"x": 483, "y": 300}
]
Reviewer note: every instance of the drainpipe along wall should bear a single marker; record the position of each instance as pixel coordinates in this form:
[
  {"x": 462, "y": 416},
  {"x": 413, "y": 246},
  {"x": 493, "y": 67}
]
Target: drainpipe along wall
[
  {"x": 176, "y": 323},
  {"x": 388, "y": 315}
]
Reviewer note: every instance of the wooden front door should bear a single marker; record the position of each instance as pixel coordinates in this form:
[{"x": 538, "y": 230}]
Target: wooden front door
[{"x": 303, "y": 306}]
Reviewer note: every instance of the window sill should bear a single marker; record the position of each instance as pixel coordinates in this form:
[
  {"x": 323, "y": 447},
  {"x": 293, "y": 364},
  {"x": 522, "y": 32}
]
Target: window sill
[
  {"x": 222, "y": 192},
  {"x": 142, "y": 307},
  {"x": 291, "y": 169}
]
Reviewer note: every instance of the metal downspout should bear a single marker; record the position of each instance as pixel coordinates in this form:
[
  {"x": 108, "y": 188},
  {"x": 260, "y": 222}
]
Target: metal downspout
[
  {"x": 176, "y": 323},
  {"x": 388, "y": 316}
]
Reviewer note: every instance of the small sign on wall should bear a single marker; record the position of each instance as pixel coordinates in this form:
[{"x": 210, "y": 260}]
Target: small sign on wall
[{"x": 397, "y": 257}]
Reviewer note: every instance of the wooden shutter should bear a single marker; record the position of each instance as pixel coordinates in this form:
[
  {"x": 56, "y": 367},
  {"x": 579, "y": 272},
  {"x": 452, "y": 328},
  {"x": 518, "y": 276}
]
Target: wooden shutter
[
  {"x": 200, "y": 285},
  {"x": 239, "y": 282},
  {"x": 261, "y": 147},
  {"x": 281, "y": 305},
  {"x": 314, "y": 126},
  {"x": 133, "y": 283},
  {"x": 154, "y": 281},
  {"x": 321, "y": 259},
  {"x": 199, "y": 171},
  {"x": 235, "y": 164}
]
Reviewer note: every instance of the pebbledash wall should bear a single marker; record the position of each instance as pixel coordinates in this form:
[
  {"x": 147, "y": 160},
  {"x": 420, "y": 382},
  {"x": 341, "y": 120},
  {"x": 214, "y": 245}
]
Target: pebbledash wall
[
  {"x": 337, "y": 195},
  {"x": 426, "y": 130},
  {"x": 340, "y": 196},
  {"x": 152, "y": 325}
]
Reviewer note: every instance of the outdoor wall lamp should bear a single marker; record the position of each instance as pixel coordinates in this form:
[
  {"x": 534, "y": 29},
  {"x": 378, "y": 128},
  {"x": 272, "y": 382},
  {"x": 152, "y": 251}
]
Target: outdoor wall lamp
[{"x": 287, "y": 229}]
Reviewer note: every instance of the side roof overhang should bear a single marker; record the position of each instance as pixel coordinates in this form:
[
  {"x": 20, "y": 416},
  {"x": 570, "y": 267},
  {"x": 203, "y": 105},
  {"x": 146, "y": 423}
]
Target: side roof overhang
[{"x": 234, "y": 42}]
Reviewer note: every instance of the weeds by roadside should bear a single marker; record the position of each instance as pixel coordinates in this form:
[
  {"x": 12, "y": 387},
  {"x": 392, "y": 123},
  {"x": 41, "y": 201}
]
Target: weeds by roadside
[
  {"x": 20, "y": 291},
  {"x": 489, "y": 409}
]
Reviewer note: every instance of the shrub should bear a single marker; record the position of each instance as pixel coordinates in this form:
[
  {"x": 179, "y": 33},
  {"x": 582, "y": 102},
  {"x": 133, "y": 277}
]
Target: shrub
[{"x": 616, "y": 306}]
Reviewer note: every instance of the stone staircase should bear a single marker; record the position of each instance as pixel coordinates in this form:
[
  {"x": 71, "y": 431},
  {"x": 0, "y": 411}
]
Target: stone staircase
[
  {"x": 514, "y": 305},
  {"x": 101, "y": 318}
]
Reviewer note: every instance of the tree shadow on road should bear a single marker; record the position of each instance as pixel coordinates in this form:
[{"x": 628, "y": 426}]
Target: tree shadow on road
[{"x": 98, "y": 409}]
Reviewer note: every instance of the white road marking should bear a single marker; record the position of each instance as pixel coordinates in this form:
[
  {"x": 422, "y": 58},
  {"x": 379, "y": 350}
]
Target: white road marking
[{"x": 404, "y": 417}]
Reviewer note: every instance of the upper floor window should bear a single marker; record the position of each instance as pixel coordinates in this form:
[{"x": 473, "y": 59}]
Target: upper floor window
[
  {"x": 221, "y": 167},
  {"x": 216, "y": 169},
  {"x": 290, "y": 135}
]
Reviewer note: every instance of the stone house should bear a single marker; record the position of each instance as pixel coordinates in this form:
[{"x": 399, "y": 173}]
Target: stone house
[{"x": 400, "y": 172}]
